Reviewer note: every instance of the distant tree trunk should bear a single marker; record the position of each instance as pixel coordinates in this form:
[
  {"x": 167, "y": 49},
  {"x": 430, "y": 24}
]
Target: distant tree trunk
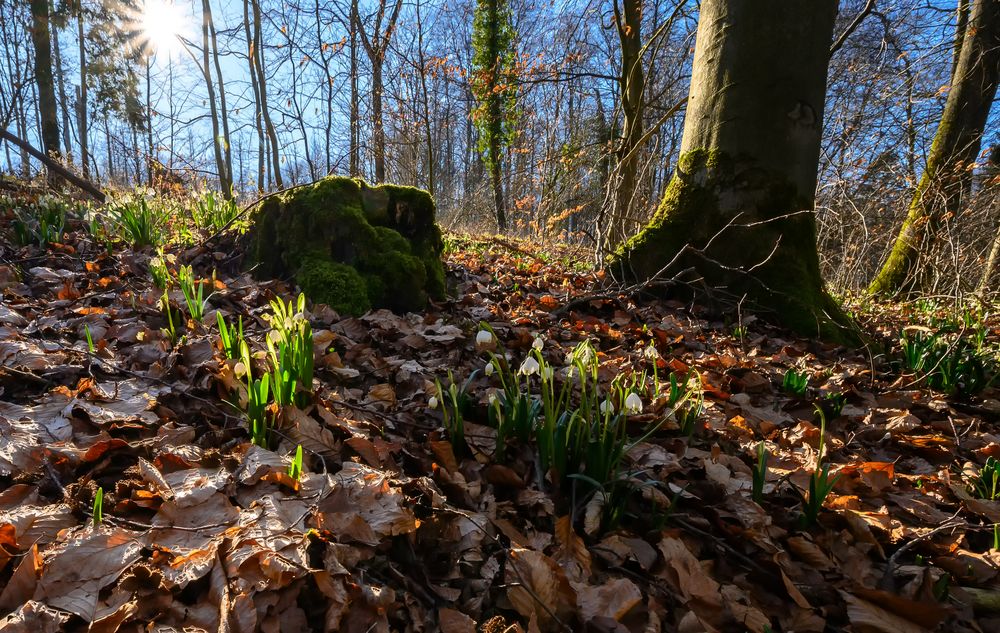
[
  {"x": 206, "y": 70},
  {"x": 631, "y": 85},
  {"x": 355, "y": 149},
  {"x": 150, "y": 147},
  {"x": 47, "y": 110},
  {"x": 737, "y": 217},
  {"x": 258, "y": 124},
  {"x": 63, "y": 102},
  {"x": 258, "y": 59},
  {"x": 226, "y": 180},
  {"x": 422, "y": 64},
  {"x": 376, "y": 47},
  {"x": 947, "y": 178},
  {"x": 81, "y": 101}
]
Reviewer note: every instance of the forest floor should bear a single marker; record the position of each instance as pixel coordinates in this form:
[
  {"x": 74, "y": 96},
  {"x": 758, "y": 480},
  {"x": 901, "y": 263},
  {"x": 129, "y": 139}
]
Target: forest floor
[{"x": 392, "y": 527}]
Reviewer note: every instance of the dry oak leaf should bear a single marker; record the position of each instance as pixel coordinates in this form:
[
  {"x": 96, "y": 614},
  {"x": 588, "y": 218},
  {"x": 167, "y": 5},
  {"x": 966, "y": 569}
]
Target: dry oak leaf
[
  {"x": 83, "y": 566},
  {"x": 612, "y": 600},
  {"x": 572, "y": 554},
  {"x": 867, "y": 617},
  {"x": 538, "y": 587},
  {"x": 686, "y": 575},
  {"x": 34, "y": 617},
  {"x": 452, "y": 621}
]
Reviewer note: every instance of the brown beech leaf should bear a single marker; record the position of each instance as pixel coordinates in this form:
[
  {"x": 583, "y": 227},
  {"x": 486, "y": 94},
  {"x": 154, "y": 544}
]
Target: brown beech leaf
[
  {"x": 572, "y": 553},
  {"x": 538, "y": 588}
]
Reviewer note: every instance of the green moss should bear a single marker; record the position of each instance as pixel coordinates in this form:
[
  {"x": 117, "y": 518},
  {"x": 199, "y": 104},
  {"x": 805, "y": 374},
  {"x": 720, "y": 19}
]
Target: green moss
[
  {"x": 386, "y": 233},
  {"x": 337, "y": 285}
]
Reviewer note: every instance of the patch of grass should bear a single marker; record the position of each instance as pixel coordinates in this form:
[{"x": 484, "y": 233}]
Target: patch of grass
[
  {"x": 231, "y": 337},
  {"x": 194, "y": 293},
  {"x": 171, "y": 331},
  {"x": 986, "y": 484},
  {"x": 258, "y": 398},
  {"x": 795, "y": 383},
  {"x": 820, "y": 483},
  {"x": 42, "y": 223},
  {"x": 290, "y": 347},
  {"x": 137, "y": 221},
  {"x": 958, "y": 363},
  {"x": 455, "y": 404},
  {"x": 211, "y": 211}
]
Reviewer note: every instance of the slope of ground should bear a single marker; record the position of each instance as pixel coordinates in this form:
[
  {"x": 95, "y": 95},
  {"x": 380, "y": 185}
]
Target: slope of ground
[{"x": 392, "y": 527}]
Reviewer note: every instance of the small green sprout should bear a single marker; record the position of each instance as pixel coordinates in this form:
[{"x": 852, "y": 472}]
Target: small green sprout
[
  {"x": 795, "y": 383},
  {"x": 90, "y": 339},
  {"x": 98, "y": 511},
  {"x": 295, "y": 468},
  {"x": 820, "y": 483},
  {"x": 987, "y": 482},
  {"x": 194, "y": 292},
  {"x": 759, "y": 474},
  {"x": 231, "y": 337}
]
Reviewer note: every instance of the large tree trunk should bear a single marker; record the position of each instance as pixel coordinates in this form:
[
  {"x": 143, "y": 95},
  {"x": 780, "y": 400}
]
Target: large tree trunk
[
  {"x": 47, "y": 109},
  {"x": 947, "y": 178},
  {"x": 737, "y": 217}
]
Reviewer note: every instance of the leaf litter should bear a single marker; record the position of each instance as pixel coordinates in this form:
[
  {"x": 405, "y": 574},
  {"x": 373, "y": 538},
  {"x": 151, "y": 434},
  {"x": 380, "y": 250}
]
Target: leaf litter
[{"x": 395, "y": 527}]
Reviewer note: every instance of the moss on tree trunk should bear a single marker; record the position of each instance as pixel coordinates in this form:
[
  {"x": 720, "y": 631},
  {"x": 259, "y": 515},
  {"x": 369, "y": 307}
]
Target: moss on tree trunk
[{"x": 736, "y": 220}]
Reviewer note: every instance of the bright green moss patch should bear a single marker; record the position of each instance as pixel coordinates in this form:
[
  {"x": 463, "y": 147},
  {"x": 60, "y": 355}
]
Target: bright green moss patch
[
  {"x": 337, "y": 285},
  {"x": 386, "y": 235}
]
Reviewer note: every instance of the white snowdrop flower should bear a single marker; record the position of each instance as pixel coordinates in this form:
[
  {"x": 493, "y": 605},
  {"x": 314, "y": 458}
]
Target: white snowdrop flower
[
  {"x": 569, "y": 359},
  {"x": 546, "y": 373},
  {"x": 650, "y": 352},
  {"x": 489, "y": 368},
  {"x": 607, "y": 407},
  {"x": 492, "y": 397},
  {"x": 433, "y": 402},
  {"x": 633, "y": 403},
  {"x": 584, "y": 354},
  {"x": 484, "y": 340},
  {"x": 538, "y": 343},
  {"x": 529, "y": 366}
]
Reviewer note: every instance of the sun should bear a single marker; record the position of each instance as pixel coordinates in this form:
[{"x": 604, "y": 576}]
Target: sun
[{"x": 162, "y": 23}]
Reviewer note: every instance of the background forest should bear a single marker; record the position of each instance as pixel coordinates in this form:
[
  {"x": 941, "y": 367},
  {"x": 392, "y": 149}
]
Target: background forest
[{"x": 574, "y": 135}]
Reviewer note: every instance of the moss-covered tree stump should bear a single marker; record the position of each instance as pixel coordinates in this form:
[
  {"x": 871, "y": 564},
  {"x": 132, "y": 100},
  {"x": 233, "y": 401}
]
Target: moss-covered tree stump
[{"x": 351, "y": 246}]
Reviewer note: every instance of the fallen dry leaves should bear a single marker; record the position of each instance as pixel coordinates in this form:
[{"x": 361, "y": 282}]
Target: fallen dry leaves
[{"x": 393, "y": 529}]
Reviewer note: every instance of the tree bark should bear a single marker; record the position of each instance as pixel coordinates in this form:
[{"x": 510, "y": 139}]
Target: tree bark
[
  {"x": 258, "y": 59},
  {"x": 47, "y": 109},
  {"x": 737, "y": 221},
  {"x": 54, "y": 166},
  {"x": 631, "y": 85},
  {"x": 81, "y": 102},
  {"x": 258, "y": 124},
  {"x": 947, "y": 178},
  {"x": 226, "y": 181},
  {"x": 206, "y": 70},
  {"x": 355, "y": 151},
  {"x": 376, "y": 47}
]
